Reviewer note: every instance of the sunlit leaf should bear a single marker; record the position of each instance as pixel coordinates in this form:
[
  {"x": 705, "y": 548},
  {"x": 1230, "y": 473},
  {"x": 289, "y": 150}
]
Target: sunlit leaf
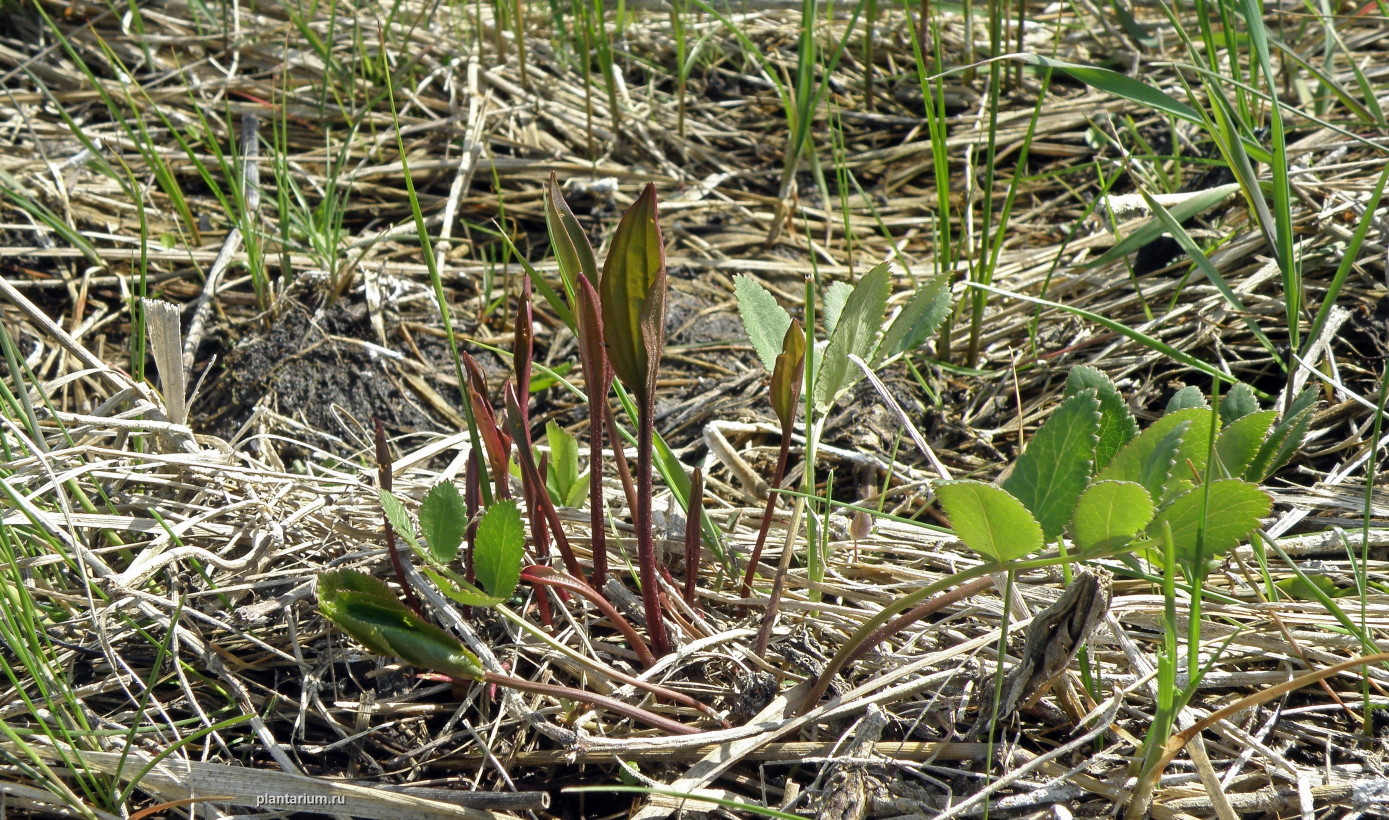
[
  {"x": 834, "y": 298},
  {"x": 855, "y": 334},
  {"x": 919, "y": 318},
  {"x": 1238, "y": 403},
  {"x": 989, "y": 520},
  {"x": 568, "y": 241},
  {"x": 1117, "y": 425},
  {"x": 500, "y": 547},
  {"x": 399, "y": 518},
  {"x": 1185, "y": 399},
  {"x": 1239, "y": 442},
  {"x": 1204, "y": 528},
  {"x": 1109, "y": 514},
  {"x": 632, "y": 293},
  {"x": 788, "y": 375}
]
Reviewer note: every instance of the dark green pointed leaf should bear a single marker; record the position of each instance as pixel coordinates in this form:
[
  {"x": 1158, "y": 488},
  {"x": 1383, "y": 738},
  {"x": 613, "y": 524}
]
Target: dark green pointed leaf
[
  {"x": 1185, "y": 399},
  {"x": 443, "y": 521},
  {"x": 1052, "y": 472},
  {"x": 788, "y": 375},
  {"x": 1206, "y": 528},
  {"x": 835, "y": 296},
  {"x": 500, "y": 547},
  {"x": 1109, "y": 514},
  {"x": 919, "y": 318},
  {"x": 632, "y": 292},
  {"x": 366, "y": 609},
  {"x": 1238, "y": 403},
  {"x": 764, "y": 320},
  {"x": 989, "y": 520},
  {"x": 1285, "y": 440},
  {"x": 399, "y": 518},
  {"x": 855, "y": 334},
  {"x": 567, "y": 240},
  {"x": 1117, "y": 425},
  {"x": 1239, "y": 442}
]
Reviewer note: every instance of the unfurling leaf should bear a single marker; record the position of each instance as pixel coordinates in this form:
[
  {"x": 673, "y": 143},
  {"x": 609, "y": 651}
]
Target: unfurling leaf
[
  {"x": 989, "y": 520},
  {"x": 764, "y": 320},
  {"x": 567, "y": 240},
  {"x": 1110, "y": 514},
  {"x": 788, "y": 375},
  {"x": 443, "y": 521},
  {"x": 365, "y": 608},
  {"x": 632, "y": 291},
  {"x": 1052, "y": 472}
]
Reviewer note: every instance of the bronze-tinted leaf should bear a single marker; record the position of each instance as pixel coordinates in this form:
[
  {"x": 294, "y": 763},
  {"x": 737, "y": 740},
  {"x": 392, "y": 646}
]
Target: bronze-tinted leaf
[
  {"x": 788, "y": 375},
  {"x": 632, "y": 291},
  {"x": 568, "y": 240}
]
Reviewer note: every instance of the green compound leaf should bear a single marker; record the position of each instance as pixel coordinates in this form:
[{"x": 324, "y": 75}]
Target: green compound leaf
[
  {"x": 1240, "y": 441},
  {"x": 1238, "y": 403},
  {"x": 1052, "y": 473},
  {"x": 855, "y": 334},
  {"x": 1206, "y": 528},
  {"x": 443, "y": 521},
  {"x": 1110, "y": 514},
  {"x": 764, "y": 320},
  {"x": 1117, "y": 425},
  {"x": 366, "y": 609},
  {"x": 500, "y": 546},
  {"x": 989, "y": 520},
  {"x": 919, "y": 318}
]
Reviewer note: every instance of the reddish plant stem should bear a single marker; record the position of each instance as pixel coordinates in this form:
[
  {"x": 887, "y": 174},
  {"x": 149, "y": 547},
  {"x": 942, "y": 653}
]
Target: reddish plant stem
[
  {"x": 549, "y": 576},
  {"x": 778, "y": 475},
  {"x": 694, "y": 517},
  {"x": 383, "y": 477},
  {"x": 646, "y": 545},
  {"x": 611, "y": 704}
]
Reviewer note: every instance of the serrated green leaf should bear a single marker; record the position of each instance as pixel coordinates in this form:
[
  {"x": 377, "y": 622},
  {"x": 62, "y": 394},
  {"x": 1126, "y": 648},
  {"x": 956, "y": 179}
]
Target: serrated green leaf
[
  {"x": 1052, "y": 472},
  {"x": 458, "y": 589},
  {"x": 1109, "y": 514},
  {"x": 365, "y": 609},
  {"x": 1239, "y": 442},
  {"x": 1117, "y": 425},
  {"x": 855, "y": 334},
  {"x": 1238, "y": 403},
  {"x": 1206, "y": 528},
  {"x": 500, "y": 546},
  {"x": 989, "y": 520},
  {"x": 835, "y": 296},
  {"x": 443, "y": 521},
  {"x": 919, "y": 318},
  {"x": 764, "y": 320},
  {"x": 632, "y": 293},
  {"x": 788, "y": 376},
  {"x": 568, "y": 242},
  {"x": 1285, "y": 440},
  {"x": 1185, "y": 399},
  {"x": 563, "y": 474},
  {"x": 399, "y": 518},
  {"x": 1167, "y": 456}
]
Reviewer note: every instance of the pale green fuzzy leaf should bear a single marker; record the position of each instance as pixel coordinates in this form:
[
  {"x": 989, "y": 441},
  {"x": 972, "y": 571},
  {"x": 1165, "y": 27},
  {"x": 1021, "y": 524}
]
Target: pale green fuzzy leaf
[
  {"x": 764, "y": 320},
  {"x": 835, "y": 296},
  {"x": 855, "y": 334},
  {"x": 919, "y": 318},
  {"x": 399, "y": 518}
]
